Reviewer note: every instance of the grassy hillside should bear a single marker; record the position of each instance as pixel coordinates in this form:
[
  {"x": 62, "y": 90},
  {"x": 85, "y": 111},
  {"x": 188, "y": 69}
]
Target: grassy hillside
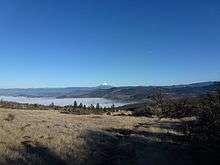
[
  {"x": 48, "y": 137},
  {"x": 173, "y": 134}
]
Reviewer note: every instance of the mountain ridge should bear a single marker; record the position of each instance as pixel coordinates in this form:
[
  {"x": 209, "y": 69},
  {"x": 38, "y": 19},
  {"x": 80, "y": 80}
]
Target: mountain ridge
[{"x": 123, "y": 93}]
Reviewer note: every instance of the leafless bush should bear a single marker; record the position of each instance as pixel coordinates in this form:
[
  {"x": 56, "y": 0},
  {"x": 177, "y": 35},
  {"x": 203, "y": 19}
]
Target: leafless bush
[
  {"x": 207, "y": 127},
  {"x": 146, "y": 111},
  {"x": 10, "y": 117},
  {"x": 166, "y": 106}
]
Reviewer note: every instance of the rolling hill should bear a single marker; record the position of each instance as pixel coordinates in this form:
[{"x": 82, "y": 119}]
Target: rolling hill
[{"x": 125, "y": 93}]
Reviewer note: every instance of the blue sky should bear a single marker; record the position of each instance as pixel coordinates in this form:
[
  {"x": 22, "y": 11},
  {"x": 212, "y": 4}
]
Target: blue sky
[{"x": 54, "y": 43}]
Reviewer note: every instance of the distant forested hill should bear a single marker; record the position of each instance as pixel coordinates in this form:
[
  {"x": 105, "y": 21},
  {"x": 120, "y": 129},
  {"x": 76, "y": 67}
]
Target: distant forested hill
[
  {"x": 141, "y": 92},
  {"x": 138, "y": 93},
  {"x": 44, "y": 92},
  {"x": 127, "y": 93},
  {"x": 50, "y": 92}
]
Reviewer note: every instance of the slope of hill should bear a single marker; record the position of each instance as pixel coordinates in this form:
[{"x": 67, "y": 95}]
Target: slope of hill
[
  {"x": 127, "y": 93},
  {"x": 50, "y": 92},
  {"x": 140, "y": 93},
  {"x": 49, "y": 137},
  {"x": 44, "y": 92}
]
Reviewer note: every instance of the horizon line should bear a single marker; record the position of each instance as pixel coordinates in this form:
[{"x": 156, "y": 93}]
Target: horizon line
[{"x": 63, "y": 87}]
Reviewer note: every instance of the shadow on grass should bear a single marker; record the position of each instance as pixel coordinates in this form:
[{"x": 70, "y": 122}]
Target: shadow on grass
[
  {"x": 122, "y": 147},
  {"x": 129, "y": 147},
  {"x": 34, "y": 153},
  {"x": 161, "y": 124}
]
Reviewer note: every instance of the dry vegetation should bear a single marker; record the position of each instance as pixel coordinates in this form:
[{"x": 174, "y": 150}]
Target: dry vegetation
[
  {"x": 50, "y": 137},
  {"x": 184, "y": 132}
]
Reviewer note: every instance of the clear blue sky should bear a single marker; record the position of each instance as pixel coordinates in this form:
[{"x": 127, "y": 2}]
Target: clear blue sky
[{"x": 48, "y": 43}]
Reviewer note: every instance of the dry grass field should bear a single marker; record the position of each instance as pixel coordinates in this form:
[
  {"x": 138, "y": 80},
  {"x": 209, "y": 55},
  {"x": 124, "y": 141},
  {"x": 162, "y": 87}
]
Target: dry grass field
[{"x": 49, "y": 137}]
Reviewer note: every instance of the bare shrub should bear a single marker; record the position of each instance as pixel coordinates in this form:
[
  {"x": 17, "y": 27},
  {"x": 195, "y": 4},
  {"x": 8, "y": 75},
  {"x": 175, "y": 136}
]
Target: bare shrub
[
  {"x": 108, "y": 113},
  {"x": 146, "y": 111},
  {"x": 10, "y": 117},
  {"x": 207, "y": 127},
  {"x": 171, "y": 107}
]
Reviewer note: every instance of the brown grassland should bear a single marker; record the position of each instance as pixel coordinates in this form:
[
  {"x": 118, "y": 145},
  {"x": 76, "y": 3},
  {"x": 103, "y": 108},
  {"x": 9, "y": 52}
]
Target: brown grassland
[{"x": 50, "y": 137}]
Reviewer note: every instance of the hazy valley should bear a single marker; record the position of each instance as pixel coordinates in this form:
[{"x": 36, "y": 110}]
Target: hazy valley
[{"x": 109, "y": 82}]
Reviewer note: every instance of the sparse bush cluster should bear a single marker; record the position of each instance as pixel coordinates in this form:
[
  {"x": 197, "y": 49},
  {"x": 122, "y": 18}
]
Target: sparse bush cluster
[
  {"x": 163, "y": 105},
  {"x": 146, "y": 111},
  {"x": 86, "y": 110},
  {"x": 14, "y": 105},
  {"x": 206, "y": 128},
  {"x": 206, "y": 109},
  {"x": 167, "y": 106},
  {"x": 76, "y": 108}
]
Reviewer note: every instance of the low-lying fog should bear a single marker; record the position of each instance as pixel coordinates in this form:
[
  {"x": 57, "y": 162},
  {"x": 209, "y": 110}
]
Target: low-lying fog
[{"x": 62, "y": 102}]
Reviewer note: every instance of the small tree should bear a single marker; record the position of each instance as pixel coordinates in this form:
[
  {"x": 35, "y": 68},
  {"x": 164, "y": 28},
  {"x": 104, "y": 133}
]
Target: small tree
[
  {"x": 75, "y": 104},
  {"x": 159, "y": 97},
  {"x": 80, "y": 105},
  {"x": 97, "y": 106},
  {"x": 162, "y": 102},
  {"x": 113, "y": 107},
  {"x": 104, "y": 109},
  {"x": 92, "y": 106},
  {"x": 51, "y": 105}
]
